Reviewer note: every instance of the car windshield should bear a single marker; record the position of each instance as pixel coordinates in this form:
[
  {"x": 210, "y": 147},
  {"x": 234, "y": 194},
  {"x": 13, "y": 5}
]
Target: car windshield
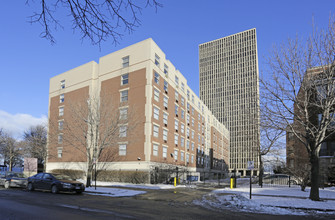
[{"x": 62, "y": 177}]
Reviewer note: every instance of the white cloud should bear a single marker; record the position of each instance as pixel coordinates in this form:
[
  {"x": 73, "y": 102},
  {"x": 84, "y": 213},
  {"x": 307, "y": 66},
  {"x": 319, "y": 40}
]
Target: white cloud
[{"x": 18, "y": 123}]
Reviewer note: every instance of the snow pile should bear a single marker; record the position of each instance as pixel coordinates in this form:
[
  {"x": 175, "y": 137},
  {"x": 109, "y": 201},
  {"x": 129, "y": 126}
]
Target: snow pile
[
  {"x": 273, "y": 200},
  {"x": 113, "y": 192}
]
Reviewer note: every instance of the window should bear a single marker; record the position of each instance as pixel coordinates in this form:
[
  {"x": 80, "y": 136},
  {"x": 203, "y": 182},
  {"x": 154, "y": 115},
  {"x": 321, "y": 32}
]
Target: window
[
  {"x": 156, "y": 78},
  {"x": 157, "y": 60},
  {"x": 61, "y": 98},
  {"x": 192, "y": 146},
  {"x": 192, "y": 110},
  {"x": 198, "y": 105},
  {"x": 156, "y": 131},
  {"x": 176, "y": 80},
  {"x": 187, "y": 158},
  {"x": 62, "y": 84},
  {"x": 124, "y": 79},
  {"x": 125, "y": 61},
  {"x": 187, "y": 144},
  {"x": 165, "y": 134},
  {"x": 192, "y": 134},
  {"x": 60, "y": 125},
  {"x": 166, "y": 86},
  {"x": 156, "y": 95},
  {"x": 188, "y": 107},
  {"x": 182, "y": 141},
  {"x": 123, "y": 113},
  {"x": 182, "y": 114},
  {"x": 176, "y": 139},
  {"x": 199, "y": 138},
  {"x": 199, "y": 127},
  {"x": 166, "y": 69},
  {"x": 182, "y": 128},
  {"x": 176, "y": 125},
  {"x": 59, "y": 152},
  {"x": 156, "y": 113},
  {"x": 60, "y": 138},
  {"x": 176, "y": 95},
  {"x": 188, "y": 132},
  {"x": 122, "y": 149},
  {"x": 192, "y": 122},
  {"x": 188, "y": 94},
  {"x": 155, "y": 150},
  {"x": 192, "y": 159},
  {"x": 61, "y": 111},
  {"x": 175, "y": 154},
  {"x": 165, "y": 102},
  {"x": 188, "y": 119},
  {"x": 182, "y": 156},
  {"x": 199, "y": 117},
  {"x": 176, "y": 110},
  {"x": 193, "y": 99},
  {"x": 165, "y": 118},
  {"x": 182, "y": 101},
  {"x": 124, "y": 95},
  {"x": 123, "y": 131},
  {"x": 182, "y": 86},
  {"x": 164, "y": 152}
]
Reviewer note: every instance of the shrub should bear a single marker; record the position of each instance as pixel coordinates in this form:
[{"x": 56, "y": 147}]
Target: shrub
[
  {"x": 74, "y": 174},
  {"x": 122, "y": 176}
]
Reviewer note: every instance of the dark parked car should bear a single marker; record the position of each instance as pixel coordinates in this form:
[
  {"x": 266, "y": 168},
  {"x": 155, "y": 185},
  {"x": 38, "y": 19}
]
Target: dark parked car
[
  {"x": 55, "y": 183},
  {"x": 12, "y": 179}
]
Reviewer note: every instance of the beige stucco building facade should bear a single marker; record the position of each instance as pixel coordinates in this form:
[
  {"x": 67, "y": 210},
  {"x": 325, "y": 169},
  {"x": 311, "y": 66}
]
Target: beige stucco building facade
[
  {"x": 229, "y": 86},
  {"x": 174, "y": 127}
]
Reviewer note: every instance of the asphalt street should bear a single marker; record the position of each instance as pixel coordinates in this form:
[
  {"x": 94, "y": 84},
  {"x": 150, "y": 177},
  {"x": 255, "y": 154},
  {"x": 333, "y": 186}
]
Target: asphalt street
[{"x": 155, "y": 204}]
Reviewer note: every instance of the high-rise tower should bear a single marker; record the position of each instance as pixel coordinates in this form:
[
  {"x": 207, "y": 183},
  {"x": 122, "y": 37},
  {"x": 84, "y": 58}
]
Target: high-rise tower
[{"x": 229, "y": 86}]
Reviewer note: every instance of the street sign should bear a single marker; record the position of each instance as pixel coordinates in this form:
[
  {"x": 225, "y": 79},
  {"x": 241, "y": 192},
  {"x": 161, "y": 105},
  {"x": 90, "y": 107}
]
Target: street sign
[{"x": 251, "y": 165}]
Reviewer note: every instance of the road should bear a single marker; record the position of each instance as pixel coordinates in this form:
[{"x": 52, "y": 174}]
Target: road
[{"x": 155, "y": 204}]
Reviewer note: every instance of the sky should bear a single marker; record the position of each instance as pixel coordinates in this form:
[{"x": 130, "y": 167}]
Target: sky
[{"x": 28, "y": 61}]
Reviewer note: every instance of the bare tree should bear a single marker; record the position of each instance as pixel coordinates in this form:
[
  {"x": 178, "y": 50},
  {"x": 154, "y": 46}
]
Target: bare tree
[
  {"x": 300, "y": 95},
  {"x": 95, "y": 127},
  {"x": 270, "y": 144},
  {"x": 96, "y": 20},
  {"x": 10, "y": 150},
  {"x": 35, "y": 141}
]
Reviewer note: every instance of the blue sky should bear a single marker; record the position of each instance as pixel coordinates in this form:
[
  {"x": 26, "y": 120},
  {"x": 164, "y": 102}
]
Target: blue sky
[{"x": 27, "y": 62}]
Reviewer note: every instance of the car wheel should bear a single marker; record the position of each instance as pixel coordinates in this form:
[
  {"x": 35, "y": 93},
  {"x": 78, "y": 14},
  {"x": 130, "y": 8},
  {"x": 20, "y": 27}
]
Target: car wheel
[
  {"x": 30, "y": 187},
  {"x": 7, "y": 185},
  {"x": 54, "y": 189}
]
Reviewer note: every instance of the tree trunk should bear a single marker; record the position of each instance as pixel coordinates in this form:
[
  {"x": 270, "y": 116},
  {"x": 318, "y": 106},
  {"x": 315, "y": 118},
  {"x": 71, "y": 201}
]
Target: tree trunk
[
  {"x": 89, "y": 175},
  {"x": 314, "y": 194},
  {"x": 261, "y": 171}
]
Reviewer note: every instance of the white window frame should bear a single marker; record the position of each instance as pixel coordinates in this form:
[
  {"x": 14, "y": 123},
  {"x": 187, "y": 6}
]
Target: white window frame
[
  {"x": 59, "y": 152},
  {"x": 166, "y": 102},
  {"x": 155, "y": 150},
  {"x": 176, "y": 139},
  {"x": 157, "y": 60},
  {"x": 155, "y": 131},
  {"x": 60, "y": 138},
  {"x": 61, "y": 98},
  {"x": 156, "y": 113},
  {"x": 165, "y": 118},
  {"x": 182, "y": 141},
  {"x": 62, "y": 84},
  {"x": 60, "y": 125},
  {"x": 165, "y": 134},
  {"x": 182, "y": 128},
  {"x": 125, "y": 61},
  {"x": 156, "y": 77},
  {"x": 123, "y": 113},
  {"x": 175, "y": 154},
  {"x": 164, "y": 152},
  {"x": 61, "y": 111},
  {"x": 123, "y": 131},
  {"x": 125, "y": 79},
  {"x": 182, "y": 156},
  {"x": 124, "y": 96},
  {"x": 156, "y": 95},
  {"x": 122, "y": 149}
]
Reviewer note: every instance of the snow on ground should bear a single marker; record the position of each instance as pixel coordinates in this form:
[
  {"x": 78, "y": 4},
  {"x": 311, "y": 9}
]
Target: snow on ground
[
  {"x": 277, "y": 200},
  {"x": 273, "y": 200}
]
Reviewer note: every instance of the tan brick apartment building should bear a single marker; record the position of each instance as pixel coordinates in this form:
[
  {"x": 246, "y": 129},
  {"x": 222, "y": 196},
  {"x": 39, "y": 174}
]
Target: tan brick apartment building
[{"x": 174, "y": 127}]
